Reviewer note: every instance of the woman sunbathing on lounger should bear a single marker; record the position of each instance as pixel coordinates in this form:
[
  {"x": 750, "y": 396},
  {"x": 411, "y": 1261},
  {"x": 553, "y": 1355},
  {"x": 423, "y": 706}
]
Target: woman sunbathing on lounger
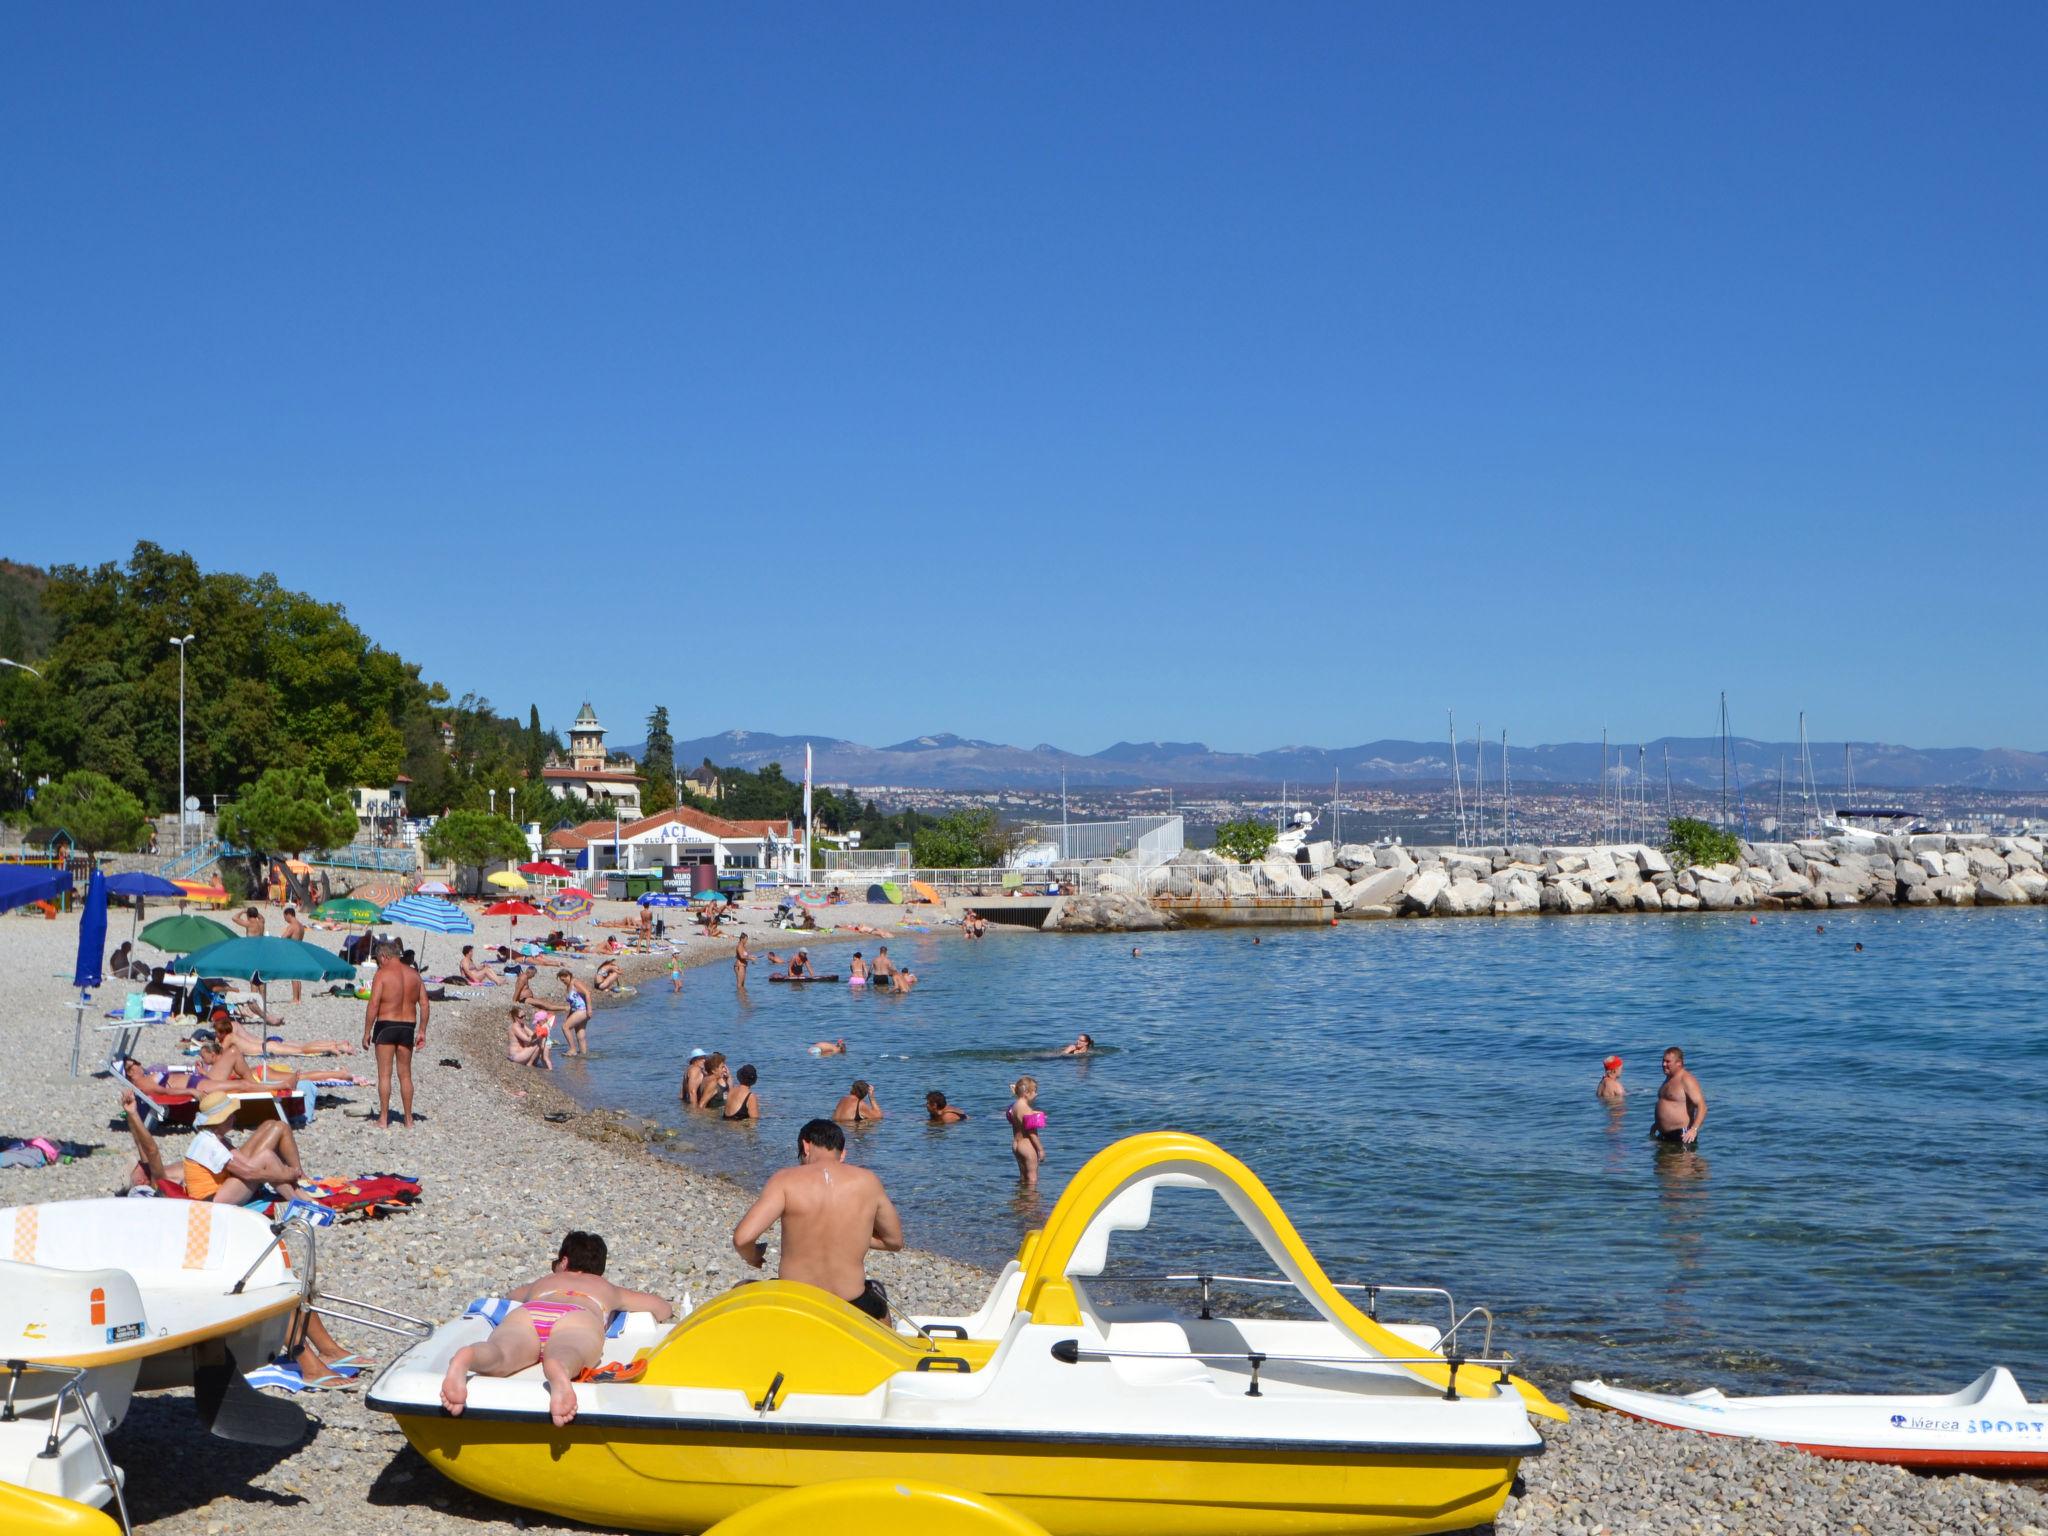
[
  {"x": 248, "y": 1041},
  {"x": 209, "y": 1076},
  {"x": 214, "y": 1168},
  {"x": 559, "y": 1324}
]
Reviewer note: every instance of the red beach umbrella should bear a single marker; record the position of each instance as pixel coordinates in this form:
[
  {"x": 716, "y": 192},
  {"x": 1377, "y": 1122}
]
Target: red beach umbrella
[
  {"x": 546, "y": 867},
  {"x": 512, "y": 909}
]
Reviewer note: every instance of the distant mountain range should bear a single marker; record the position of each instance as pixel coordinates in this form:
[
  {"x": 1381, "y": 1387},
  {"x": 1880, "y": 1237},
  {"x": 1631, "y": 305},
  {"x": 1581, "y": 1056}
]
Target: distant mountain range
[{"x": 947, "y": 761}]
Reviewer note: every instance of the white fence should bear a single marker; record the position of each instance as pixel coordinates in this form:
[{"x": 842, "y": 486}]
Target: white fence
[{"x": 1145, "y": 841}]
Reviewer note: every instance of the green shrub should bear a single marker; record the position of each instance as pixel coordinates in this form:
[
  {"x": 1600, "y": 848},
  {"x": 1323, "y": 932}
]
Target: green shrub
[
  {"x": 1246, "y": 841},
  {"x": 1695, "y": 842}
]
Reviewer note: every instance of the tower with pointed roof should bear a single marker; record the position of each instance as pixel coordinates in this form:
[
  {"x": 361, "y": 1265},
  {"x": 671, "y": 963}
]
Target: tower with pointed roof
[{"x": 586, "y": 741}]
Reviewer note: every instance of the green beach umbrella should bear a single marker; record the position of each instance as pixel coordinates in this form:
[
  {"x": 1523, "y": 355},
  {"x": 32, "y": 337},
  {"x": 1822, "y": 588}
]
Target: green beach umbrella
[
  {"x": 272, "y": 959},
  {"x": 347, "y": 909},
  {"x": 186, "y": 932}
]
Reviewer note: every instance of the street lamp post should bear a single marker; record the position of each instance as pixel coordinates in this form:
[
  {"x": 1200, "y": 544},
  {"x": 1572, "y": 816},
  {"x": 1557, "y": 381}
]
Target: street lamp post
[{"x": 181, "y": 642}]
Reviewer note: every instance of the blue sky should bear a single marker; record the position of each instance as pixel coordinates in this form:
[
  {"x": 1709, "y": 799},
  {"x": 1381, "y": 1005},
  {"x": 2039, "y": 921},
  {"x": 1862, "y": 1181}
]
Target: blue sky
[{"x": 1253, "y": 374}]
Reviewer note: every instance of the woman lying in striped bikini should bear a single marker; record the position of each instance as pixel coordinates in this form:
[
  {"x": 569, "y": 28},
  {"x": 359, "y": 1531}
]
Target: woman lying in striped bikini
[{"x": 559, "y": 1322}]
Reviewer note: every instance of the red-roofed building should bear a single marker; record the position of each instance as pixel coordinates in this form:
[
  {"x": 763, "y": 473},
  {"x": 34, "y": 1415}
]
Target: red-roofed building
[
  {"x": 591, "y": 773},
  {"x": 674, "y": 839}
]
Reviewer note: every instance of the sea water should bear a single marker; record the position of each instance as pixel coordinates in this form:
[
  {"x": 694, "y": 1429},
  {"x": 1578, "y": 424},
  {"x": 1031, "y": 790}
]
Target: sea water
[{"x": 1866, "y": 1207}]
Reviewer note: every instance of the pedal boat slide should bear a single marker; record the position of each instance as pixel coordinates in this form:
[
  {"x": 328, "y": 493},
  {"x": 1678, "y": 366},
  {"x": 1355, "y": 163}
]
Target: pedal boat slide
[
  {"x": 101, "y": 1298},
  {"x": 1049, "y": 1410}
]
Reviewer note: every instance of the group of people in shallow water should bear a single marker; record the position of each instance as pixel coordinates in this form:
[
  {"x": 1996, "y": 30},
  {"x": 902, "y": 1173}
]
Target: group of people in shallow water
[
  {"x": 881, "y": 974},
  {"x": 709, "y": 1084}
]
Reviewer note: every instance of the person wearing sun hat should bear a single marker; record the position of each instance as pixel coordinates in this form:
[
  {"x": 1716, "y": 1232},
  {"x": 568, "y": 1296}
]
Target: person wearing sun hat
[
  {"x": 1610, "y": 1087},
  {"x": 215, "y": 1169}
]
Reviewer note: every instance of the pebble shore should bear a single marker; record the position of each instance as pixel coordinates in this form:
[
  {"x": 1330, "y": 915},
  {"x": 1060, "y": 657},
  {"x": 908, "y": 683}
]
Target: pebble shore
[{"x": 502, "y": 1184}]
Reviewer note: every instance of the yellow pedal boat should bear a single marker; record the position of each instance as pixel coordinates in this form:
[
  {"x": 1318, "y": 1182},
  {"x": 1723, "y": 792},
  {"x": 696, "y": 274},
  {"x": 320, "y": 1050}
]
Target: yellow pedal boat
[{"x": 1051, "y": 1406}]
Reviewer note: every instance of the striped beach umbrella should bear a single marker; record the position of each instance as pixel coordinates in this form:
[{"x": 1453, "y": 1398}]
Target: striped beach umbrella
[
  {"x": 428, "y": 913},
  {"x": 570, "y": 905}
]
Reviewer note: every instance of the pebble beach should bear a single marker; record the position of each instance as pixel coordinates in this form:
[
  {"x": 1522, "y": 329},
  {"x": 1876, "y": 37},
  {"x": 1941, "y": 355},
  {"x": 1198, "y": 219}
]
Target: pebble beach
[{"x": 502, "y": 1183}]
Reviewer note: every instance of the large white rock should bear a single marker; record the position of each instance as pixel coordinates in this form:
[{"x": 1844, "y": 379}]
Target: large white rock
[
  {"x": 1468, "y": 866},
  {"x": 1717, "y": 895},
  {"x": 1464, "y": 897},
  {"x": 1332, "y": 883},
  {"x": 1276, "y": 874},
  {"x": 1985, "y": 863},
  {"x": 1515, "y": 890},
  {"x": 1999, "y": 893},
  {"x": 2032, "y": 882},
  {"x": 1377, "y": 889},
  {"x": 1240, "y": 881},
  {"x": 1673, "y": 898},
  {"x": 1956, "y": 866},
  {"x": 1651, "y": 861},
  {"x": 1600, "y": 865},
  {"x": 1420, "y": 892},
  {"x": 1356, "y": 856},
  {"x": 1790, "y": 886},
  {"x": 1570, "y": 863},
  {"x": 1394, "y": 857},
  {"x": 1320, "y": 856},
  {"x": 1576, "y": 897}
]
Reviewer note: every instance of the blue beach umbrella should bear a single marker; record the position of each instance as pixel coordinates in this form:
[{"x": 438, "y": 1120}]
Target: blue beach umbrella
[
  {"x": 663, "y": 899},
  {"x": 428, "y": 913},
  {"x": 138, "y": 882},
  {"x": 21, "y": 884},
  {"x": 92, "y": 934}
]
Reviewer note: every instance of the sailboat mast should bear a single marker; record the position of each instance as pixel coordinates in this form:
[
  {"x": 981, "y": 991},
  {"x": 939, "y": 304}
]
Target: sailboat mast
[
  {"x": 1506, "y": 804},
  {"x": 1479, "y": 783},
  {"x": 1457, "y": 779},
  {"x": 1668, "y": 812},
  {"x": 1336, "y": 808},
  {"x": 1603, "y": 783},
  {"x": 1724, "y": 759}
]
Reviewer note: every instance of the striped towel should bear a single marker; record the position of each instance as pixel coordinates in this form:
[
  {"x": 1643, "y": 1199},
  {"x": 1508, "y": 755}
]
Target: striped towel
[
  {"x": 285, "y": 1375},
  {"x": 495, "y": 1309}
]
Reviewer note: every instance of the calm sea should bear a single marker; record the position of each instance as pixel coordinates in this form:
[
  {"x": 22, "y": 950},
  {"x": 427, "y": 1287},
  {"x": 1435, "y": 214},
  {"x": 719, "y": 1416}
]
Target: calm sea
[{"x": 1866, "y": 1208}]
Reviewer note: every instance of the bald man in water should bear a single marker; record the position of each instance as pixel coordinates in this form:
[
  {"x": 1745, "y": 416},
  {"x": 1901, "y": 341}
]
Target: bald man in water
[
  {"x": 832, "y": 1214},
  {"x": 1681, "y": 1103}
]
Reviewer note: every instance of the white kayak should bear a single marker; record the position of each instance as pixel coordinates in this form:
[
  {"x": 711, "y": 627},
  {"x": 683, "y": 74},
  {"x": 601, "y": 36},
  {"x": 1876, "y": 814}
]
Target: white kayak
[{"x": 1989, "y": 1426}]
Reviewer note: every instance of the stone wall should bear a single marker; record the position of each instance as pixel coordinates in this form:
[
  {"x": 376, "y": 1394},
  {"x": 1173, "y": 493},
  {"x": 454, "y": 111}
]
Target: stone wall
[{"x": 1947, "y": 870}]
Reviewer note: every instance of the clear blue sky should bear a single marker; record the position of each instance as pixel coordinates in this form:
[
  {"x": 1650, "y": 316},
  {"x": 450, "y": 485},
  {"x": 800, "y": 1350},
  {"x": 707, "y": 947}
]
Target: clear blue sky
[{"x": 1258, "y": 374}]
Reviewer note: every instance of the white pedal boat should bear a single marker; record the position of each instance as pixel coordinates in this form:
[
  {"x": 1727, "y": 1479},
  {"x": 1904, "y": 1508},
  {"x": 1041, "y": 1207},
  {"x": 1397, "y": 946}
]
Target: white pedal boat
[
  {"x": 101, "y": 1297},
  {"x": 1051, "y": 1408},
  {"x": 1989, "y": 1426}
]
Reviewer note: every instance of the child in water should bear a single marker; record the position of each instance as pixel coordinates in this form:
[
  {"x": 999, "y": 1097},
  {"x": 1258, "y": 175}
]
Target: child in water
[
  {"x": 1026, "y": 1121},
  {"x": 675, "y": 974},
  {"x": 1610, "y": 1088}
]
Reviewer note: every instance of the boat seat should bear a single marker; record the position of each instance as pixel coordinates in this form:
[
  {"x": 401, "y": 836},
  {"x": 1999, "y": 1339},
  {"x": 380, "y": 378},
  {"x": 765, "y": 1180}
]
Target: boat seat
[{"x": 817, "y": 1343}]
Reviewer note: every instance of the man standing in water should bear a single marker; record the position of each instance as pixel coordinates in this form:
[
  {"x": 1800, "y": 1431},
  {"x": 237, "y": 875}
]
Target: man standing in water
[
  {"x": 396, "y": 1023},
  {"x": 832, "y": 1213},
  {"x": 742, "y": 957},
  {"x": 1681, "y": 1106}
]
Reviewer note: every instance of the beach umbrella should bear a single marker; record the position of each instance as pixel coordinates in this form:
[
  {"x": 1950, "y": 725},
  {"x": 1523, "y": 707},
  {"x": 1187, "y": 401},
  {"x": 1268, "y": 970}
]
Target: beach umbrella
[
  {"x": 136, "y": 882},
  {"x": 570, "y": 904},
  {"x": 348, "y": 909},
  {"x": 509, "y": 880},
  {"x": 428, "y": 913},
  {"x": 272, "y": 959},
  {"x": 92, "y": 934},
  {"x": 433, "y": 888},
  {"x": 202, "y": 890},
  {"x": 184, "y": 933},
  {"x": 709, "y": 896},
  {"x": 21, "y": 884},
  {"x": 512, "y": 909},
  {"x": 663, "y": 899},
  {"x": 546, "y": 867}
]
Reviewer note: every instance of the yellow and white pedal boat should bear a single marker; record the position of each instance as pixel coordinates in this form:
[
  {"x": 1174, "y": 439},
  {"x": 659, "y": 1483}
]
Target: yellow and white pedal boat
[
  {"x": 1049, "y": 1409},
  {"x": 100, "y": 1298}
]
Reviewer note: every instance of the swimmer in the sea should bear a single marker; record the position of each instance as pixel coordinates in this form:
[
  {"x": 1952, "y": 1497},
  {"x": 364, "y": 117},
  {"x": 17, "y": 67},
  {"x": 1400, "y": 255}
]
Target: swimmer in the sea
[
  {"x": 1609, "y": 1086},
  {"x": 1026, "y": 1121},
  {"x": 1084, "y": 1043},
  {"x": 857, "y": 971},
  {"x": 829, "y": 1047},
  {"x": 939, "y": 1112}
]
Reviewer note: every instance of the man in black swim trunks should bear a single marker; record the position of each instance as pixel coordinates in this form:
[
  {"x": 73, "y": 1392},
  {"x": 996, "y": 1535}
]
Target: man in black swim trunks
[
  {"x": 832, "y": 1213},
  {"x": 1681, "y": 1106},
  {"x": 396, "y": 1023}
]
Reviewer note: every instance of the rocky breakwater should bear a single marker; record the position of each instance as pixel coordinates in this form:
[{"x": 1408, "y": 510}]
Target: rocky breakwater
[
  {"x": 1947, "y": 870},
  {"x": 1362, "y": 881}
]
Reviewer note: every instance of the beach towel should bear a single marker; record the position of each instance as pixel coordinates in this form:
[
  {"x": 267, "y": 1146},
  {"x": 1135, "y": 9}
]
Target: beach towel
[
  {"x": 286, "y": 1376},
  {"x": 495, "y": 1309},
  {"x": 373, "y": 1194}
]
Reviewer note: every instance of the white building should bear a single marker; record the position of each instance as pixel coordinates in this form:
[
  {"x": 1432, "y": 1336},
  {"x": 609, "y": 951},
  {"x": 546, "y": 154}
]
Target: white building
[{"x": 673, "y": 840}]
